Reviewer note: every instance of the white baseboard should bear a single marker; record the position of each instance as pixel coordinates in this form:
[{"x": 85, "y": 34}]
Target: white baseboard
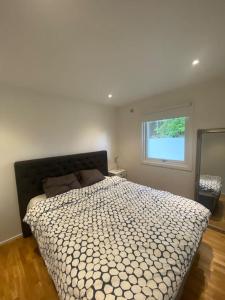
[{"x": 10, "y": 239}]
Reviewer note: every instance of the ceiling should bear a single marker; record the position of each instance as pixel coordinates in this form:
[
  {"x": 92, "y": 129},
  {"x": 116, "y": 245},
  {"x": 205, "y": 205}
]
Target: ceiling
[{"x": 86, "y": 49}]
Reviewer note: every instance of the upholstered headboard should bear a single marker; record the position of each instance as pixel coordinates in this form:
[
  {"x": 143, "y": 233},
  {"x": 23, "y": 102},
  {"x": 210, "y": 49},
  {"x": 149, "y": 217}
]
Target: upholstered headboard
[{"x": 29, "y": 175}]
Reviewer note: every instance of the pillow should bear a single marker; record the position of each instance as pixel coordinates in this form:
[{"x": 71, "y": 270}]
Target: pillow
[
  {"x": 53, "y": 186},
  {"x": 35, "y": 200},
  {"x": 89, "y": 177}
]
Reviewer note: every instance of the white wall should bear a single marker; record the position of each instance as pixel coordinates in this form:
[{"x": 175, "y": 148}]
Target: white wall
[
  {"x": 213, "y": 156},
  {"x": 34, "y": 126},
  {"x": 209, "y": 112}
]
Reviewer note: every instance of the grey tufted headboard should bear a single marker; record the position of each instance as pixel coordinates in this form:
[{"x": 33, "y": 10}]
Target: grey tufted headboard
[{"x": 29, "y": 175}]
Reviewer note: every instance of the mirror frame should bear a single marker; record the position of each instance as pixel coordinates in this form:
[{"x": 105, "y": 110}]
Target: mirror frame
[{"x": 200, "y": 133}]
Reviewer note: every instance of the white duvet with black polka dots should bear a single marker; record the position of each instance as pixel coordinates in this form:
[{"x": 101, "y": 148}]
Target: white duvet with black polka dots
[
  {"x": 117, "y": 240},
  {"x": 210, "y": 183}
]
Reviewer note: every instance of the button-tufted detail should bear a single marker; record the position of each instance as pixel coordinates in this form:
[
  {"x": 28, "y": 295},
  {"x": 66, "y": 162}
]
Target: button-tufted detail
[{"x": 29, "y": 174}]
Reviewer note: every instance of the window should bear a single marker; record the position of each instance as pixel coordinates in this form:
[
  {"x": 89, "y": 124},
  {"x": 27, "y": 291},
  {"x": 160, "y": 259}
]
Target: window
[{"x": 167, "y": 141}]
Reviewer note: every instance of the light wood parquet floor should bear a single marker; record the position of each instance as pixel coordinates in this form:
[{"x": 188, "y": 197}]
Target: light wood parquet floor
[{"x": 23, "y": 275}]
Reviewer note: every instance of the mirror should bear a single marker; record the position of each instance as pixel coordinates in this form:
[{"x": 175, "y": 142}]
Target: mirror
[{"x": 210, "y": 175}]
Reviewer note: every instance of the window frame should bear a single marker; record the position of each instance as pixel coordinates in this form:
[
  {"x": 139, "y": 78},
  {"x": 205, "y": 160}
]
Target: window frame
[{"x": 163, "y": 115}]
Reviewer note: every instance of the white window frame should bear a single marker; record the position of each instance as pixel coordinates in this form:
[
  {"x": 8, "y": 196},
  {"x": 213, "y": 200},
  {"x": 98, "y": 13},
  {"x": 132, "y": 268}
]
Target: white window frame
[{"x": 183, "y": 111}]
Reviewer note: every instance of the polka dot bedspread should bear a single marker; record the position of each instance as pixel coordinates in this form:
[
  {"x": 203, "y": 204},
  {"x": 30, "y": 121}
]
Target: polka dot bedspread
[
  {"x": 210, "y": 183},
  {"x": 117, "y": 240}
]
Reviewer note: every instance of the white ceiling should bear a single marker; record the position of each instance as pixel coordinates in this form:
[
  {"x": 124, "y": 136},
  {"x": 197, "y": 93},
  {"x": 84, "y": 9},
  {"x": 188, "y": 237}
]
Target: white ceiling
[{"x": 86, "y": 49}]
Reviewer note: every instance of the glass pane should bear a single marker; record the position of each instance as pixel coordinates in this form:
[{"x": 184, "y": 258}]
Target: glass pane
[{"x": 166, "y": 139}]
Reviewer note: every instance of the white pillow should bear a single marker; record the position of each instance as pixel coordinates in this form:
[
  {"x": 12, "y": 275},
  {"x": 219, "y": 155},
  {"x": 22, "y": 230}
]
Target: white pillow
[{"x": 35, "y": 200}]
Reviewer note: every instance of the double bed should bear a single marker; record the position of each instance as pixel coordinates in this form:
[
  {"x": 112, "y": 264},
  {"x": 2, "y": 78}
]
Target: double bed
[
  {"x": 209, "y": 191},
  {"x": 210, "y": 183},
  {"x": 111, "y": 240}
]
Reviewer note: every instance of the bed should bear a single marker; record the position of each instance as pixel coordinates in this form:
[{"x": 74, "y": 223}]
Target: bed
[
  {"x": 209, "y": 191},
  {"x": 211, "y": 184},
  {"x": 114, "y": 239}
]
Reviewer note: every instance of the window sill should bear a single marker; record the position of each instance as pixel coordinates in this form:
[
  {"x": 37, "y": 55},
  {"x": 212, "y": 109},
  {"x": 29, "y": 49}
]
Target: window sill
[{"x": 169, "y": 165}]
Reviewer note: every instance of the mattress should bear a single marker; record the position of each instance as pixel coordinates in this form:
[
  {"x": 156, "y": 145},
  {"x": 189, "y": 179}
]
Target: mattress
[
  {"x": 35, "y": 200},
  {"x": 209, "y": 183},
  {"x": 117, "y": 240}
]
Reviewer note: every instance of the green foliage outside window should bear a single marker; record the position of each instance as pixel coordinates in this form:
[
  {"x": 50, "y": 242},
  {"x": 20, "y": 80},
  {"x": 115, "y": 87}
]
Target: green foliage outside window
[{"x": 169, "y": 128}]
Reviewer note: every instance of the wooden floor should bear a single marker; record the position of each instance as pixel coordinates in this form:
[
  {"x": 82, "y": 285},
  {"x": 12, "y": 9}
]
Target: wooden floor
[
  {"x": 23, "y": 275},
  {"x": 218, "y": 218}
]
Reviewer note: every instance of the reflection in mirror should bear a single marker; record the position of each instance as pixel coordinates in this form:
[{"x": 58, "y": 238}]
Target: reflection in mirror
[{"x": 211, "y": 179}]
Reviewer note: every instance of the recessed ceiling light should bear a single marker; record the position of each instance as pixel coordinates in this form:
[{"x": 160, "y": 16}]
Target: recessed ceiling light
[
  {"x": 109, "y": 95},
  {"x": 195, "y": 62}
]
